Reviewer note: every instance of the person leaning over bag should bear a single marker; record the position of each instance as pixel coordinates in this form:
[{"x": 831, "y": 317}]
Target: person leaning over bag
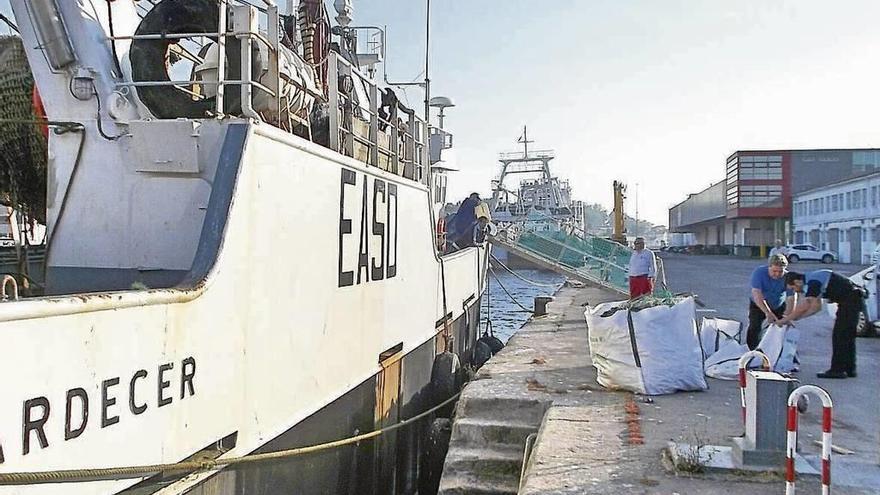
[
  {"x": 769, "y": 299},
  {"x": 849, "y": 298}
]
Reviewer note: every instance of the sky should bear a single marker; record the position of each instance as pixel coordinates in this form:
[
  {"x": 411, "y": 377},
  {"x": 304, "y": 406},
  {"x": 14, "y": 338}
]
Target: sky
[{"x": 654, "y": 93}]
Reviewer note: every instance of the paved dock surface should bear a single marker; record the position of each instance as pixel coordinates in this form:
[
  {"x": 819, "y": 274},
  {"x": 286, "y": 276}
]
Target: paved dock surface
[{"x": 597, "y": 441}]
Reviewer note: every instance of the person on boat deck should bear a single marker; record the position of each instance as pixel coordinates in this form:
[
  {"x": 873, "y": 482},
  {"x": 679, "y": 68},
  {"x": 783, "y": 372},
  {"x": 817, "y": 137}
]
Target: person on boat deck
[
  {"x": 642, "y": 270},
  {"x": 825, "y": 284},
  {"x": 768, "y": 299},
  {"x": 460, "y": 227}
]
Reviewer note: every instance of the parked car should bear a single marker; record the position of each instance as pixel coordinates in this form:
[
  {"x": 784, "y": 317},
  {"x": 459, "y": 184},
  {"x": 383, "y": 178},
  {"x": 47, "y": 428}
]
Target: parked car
[
  {"x": 868, "y": 317},
  {"x": 798, "y": 252},
  {"x": 875, "y": 256}
]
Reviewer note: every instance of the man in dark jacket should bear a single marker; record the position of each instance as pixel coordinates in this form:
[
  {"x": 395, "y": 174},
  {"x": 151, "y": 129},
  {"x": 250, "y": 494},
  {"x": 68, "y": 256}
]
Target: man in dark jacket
[{"x": 838, "y": 289}]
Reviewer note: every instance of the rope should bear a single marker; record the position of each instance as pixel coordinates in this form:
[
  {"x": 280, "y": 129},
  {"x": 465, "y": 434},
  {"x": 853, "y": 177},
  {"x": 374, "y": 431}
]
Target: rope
[
  {"x": 81, "y": 475},
  {"x": 524, "y": 309},
  {"x": 536, "y": 284},
  {"x": 489, "y": 330}
]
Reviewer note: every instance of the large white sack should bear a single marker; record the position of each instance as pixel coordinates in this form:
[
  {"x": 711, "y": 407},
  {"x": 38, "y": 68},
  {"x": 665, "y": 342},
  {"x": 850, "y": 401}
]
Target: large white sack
[
  {"x": 611, "y": 349},
  {"x": 724, "y": 363},
  {"x": 715, "y": 331},
  {"x": 780, "y": 345},
  {"x": 658, "y": 354},
  {"x": 669, "y": 348}
]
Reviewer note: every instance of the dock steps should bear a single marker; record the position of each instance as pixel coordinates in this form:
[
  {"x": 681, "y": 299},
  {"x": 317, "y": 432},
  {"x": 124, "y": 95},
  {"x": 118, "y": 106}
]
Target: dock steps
[{"x": 486, "y": 448}]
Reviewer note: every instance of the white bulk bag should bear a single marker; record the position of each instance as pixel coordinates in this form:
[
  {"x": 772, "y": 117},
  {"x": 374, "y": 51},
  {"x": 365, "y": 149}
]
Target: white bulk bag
[
  {"x": 723, "y": 364},
  {"x": 714, "y": 331},
  {"x": 780, "y": 345},
  {"x": 651, "y": 351}
]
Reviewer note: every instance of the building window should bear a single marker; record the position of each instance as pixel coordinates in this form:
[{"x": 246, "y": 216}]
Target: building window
[
  {"x": 760, "y": 196},
  {"x": 857, "y": 199},
  {"x": 873, "y": 195},
  {"x": 849, "y": 201},
  {"x": 759, "y": 167},
  {"x": 864, "y": 161}
]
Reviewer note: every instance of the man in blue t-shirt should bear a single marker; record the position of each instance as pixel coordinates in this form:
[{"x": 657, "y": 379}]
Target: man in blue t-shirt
[
  {"x": 849, "y": 298},
  {"x": 768, "y": 298}
]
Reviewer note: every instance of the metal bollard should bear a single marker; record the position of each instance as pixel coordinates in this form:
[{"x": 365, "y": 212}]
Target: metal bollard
[
  {"x": 791, "y": 444},
  {"x": 541, "y": 305},
  {"x": 743, "y": 362}
]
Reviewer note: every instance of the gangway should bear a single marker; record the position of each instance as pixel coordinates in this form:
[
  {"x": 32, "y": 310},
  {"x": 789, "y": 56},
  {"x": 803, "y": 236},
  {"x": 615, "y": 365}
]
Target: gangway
[{"x": 577, "y": 255}]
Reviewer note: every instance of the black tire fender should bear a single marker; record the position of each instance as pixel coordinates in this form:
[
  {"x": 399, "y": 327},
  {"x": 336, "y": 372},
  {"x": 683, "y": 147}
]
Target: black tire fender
[
  {"x": 482, "y": 353},
  {"x": 148, "y": 58},
  {"x": 444, "y": 376}
]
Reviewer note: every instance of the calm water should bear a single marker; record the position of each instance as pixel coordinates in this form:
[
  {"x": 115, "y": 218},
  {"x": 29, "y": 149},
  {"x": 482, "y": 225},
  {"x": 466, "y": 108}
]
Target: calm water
[{"x": 505, "y": 315}]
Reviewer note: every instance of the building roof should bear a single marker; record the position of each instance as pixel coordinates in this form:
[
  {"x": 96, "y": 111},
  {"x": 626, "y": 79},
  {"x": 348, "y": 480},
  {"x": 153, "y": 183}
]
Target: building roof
[
  {"x": 691, "y": 195},
  {"x": 866, "y": 175},
  {"x": 804, "y": 150}
]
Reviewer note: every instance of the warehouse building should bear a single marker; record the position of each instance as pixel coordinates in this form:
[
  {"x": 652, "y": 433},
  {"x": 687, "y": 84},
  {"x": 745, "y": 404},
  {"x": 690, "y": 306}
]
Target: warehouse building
[
  {"x": 842, "y": 217},
  {"x": 755, "y": 207}
]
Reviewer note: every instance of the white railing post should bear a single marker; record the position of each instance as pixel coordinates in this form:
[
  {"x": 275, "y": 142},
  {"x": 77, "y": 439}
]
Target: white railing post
[
  {"x": 221, "y": 56},
  {"x": 274, "y": 82},
  {"x": 333, "y": 96},
  {"x": 743, "y": 362},
  {"x": 245, "y": 26}
]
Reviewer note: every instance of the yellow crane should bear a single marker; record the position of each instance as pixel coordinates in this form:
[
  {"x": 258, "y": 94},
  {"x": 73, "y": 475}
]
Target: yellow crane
[{"x": 618, "y": 215}]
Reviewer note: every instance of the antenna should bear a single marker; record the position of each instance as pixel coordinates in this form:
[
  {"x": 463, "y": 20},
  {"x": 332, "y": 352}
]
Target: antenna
[{"x": 524, "y": 139}]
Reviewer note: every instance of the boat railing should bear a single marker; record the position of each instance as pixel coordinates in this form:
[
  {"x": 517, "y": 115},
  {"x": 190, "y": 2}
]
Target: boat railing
[
  {"x": 532, "y": 155},
  {"x": 397, "y": 143},
  {"x": 246, "y": 21}
]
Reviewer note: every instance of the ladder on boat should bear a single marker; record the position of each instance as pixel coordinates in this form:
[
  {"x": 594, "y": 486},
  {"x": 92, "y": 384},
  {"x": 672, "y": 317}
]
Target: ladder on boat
[{"x": 577, "y": 255}]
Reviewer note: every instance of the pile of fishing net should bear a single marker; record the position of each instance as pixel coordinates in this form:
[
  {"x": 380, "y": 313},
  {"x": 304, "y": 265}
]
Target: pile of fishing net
[{"x": 22, "y": 145}]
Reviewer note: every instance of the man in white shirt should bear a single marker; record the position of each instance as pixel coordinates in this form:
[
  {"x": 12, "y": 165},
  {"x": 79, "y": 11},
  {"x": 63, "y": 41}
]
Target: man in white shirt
[
  {"x": 642, "y": 270},
  {"x": 777, "y": 249}
]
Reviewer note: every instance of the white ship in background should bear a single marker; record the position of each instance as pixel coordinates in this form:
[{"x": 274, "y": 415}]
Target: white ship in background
[
  {"x": 241, "y": 255},
  {"x": 540, "y": 203}
]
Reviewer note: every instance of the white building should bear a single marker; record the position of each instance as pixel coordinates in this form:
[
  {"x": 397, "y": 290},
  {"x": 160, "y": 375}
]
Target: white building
[{"x": 843, "y": 217}]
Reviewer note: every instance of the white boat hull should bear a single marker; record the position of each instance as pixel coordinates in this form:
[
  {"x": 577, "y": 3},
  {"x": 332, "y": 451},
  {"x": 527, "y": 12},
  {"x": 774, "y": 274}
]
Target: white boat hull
[{"x": 278, "y": 319}]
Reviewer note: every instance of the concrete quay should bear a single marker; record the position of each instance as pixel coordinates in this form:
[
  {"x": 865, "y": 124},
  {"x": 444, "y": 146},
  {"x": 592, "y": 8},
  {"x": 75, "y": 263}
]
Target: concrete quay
[{"x": 590, "y": 440}]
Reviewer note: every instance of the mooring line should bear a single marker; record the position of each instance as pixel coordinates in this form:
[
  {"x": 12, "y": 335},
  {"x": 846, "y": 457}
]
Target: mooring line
[{"x": 99, "y": 474}]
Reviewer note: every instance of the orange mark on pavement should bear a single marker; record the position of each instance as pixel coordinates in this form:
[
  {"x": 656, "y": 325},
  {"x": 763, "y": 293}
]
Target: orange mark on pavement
[{"x": 633, "y": 422}]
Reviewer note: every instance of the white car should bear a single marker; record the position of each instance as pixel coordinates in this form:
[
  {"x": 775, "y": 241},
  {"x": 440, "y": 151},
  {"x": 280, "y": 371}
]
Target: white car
[
  {"x": 868, "y": 318},
  {"x": 798, "y": 252},
  {"x": 875, "y": 256}
]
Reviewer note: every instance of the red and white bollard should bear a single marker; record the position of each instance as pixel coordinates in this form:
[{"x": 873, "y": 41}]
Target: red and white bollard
[
  {"x": 791, "y": 444},
  {"x": 743, "y": 362}
]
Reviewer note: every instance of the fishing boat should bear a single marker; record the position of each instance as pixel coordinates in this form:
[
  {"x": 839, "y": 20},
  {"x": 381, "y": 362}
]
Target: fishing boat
[
  {"x": 241, "y": 258},
  {"x": 541, "y": 202}
]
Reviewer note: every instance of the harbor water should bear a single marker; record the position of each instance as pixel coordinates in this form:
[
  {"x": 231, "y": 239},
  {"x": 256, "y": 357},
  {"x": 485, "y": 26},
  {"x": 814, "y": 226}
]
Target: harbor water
[{"x": 499, "y": 308}]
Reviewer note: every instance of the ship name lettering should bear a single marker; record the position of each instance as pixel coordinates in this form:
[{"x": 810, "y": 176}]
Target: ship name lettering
[
  {"x": 376, "y": 217},
  {"x": 37, "y": 427}
]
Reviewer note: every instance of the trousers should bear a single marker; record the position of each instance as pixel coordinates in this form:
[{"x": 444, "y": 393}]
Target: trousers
[
  {"x": 640, "y": 285},
  {"x": 843, "y": 335}
]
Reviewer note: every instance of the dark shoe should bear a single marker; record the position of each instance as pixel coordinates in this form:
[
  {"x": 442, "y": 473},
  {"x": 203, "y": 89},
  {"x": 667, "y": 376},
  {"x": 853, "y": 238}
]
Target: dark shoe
[
  {"x": 832, "y": 374},
  {"x": 852, "y": 374}
]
